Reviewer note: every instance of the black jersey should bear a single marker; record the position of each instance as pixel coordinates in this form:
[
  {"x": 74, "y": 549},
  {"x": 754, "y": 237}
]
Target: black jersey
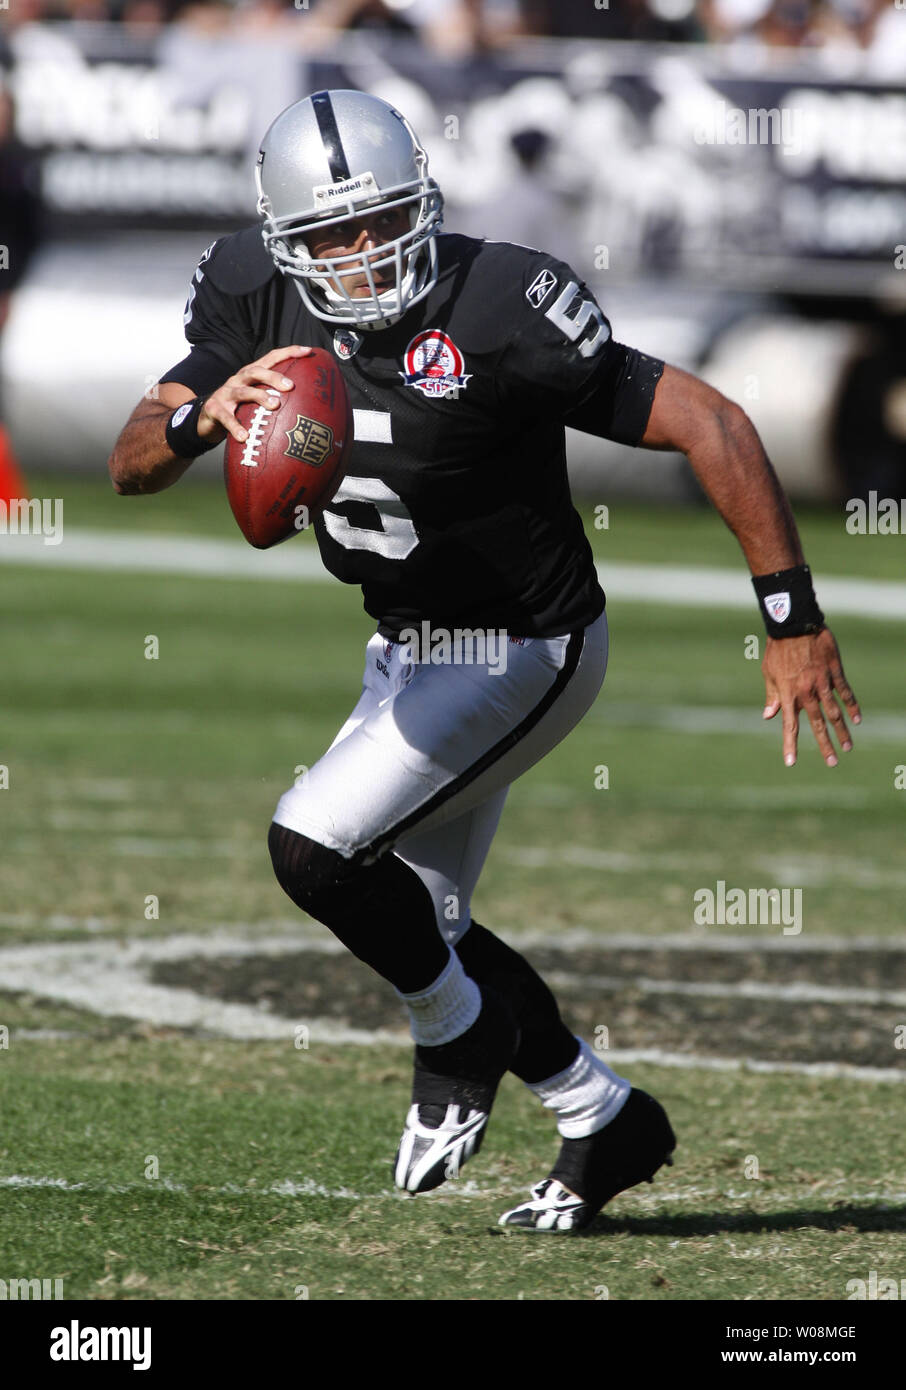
[{"x": 455, "y": 508}]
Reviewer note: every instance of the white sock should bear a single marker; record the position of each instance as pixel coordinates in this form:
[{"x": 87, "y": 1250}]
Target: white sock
[
  {"x": 445, "y": 1009},
  {"x": 585, "y": 1097}
]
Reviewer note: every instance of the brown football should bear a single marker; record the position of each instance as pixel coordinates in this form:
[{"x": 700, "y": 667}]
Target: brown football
[{"x": 283, "y": 475}]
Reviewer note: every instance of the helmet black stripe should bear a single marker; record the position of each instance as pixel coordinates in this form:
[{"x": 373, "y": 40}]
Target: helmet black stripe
[{"x": 330, "y": 135}]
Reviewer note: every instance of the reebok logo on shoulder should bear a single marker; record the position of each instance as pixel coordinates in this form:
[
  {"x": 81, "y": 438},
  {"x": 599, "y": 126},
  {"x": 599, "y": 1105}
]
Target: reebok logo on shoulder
[{"x": 540, "y": 288}]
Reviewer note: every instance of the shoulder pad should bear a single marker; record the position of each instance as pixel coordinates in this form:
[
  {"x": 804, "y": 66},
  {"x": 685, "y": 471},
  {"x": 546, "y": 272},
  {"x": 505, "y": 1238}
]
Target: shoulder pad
[
  {"x": 494, "y": 287},
  {"x": 239, "y": 263}
]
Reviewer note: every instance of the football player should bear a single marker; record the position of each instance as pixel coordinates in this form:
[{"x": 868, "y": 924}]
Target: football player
[{"x": 464, "y": 359}]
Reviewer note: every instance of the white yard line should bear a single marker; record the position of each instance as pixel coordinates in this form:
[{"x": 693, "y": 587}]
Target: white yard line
[
  {"x": 287, "y": 1187},
  {"x": 112, "y": 980},
  {"x": 777, "y": 1198},
  {"x": 689, "y": 586},
  {"x": 880, "y": 726},
  {"x": 142, "y": 553},
  {"x": 800, "y": 871},
  {"x": 689, "y": 1061},
  {"x": 222, "y": 939},
  {"x": 713, "y": 799},
  {"x": 800, "y": 993},
  {"x": 697, "y": 586},
  {"x": 585, "y": 939},
  {"x": 797, "y": 871}
]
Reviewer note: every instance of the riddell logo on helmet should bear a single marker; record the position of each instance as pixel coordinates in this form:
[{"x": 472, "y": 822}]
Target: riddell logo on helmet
[{"x": 325, "y": 192}]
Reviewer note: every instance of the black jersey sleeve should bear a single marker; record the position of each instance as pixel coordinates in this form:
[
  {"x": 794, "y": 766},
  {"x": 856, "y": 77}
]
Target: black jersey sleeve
[
  {"x": 618, "y": 402},
  {"x": 562, "y": 362},
  {"x": 216, "y": 329}
]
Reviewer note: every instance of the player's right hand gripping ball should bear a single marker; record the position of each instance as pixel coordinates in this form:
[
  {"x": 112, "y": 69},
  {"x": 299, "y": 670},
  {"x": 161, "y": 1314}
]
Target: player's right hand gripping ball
[{"x": 287, "y": 470}]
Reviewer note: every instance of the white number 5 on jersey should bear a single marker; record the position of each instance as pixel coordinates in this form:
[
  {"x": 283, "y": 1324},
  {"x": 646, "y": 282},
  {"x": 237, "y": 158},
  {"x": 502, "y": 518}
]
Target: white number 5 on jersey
[
  {"x": 393, "y": 533},
  {"x": 573, "y": 325},
  {"x": 395, "y": 536}
]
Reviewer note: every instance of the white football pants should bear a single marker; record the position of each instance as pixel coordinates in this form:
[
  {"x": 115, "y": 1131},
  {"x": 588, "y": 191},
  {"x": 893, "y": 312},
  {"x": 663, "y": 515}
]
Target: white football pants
[{"x": 424, "y": 761}]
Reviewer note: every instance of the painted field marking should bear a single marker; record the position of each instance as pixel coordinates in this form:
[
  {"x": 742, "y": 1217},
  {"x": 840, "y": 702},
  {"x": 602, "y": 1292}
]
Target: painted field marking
[
  {"x": 686, "y": 586},
  {"x": 111, "y": 980},
  {"x": 799, "y": 993},
  {"x": 799, "y": 871},
  {"x": 303, "y": 935}
]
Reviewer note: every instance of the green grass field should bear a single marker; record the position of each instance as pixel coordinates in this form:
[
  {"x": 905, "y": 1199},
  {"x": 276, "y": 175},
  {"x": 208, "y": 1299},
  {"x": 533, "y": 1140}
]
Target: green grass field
[{"x": 131, "y": 779}]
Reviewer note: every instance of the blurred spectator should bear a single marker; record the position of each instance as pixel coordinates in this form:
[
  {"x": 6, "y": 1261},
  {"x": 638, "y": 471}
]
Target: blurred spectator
[
  {"x": 885, "y": 37},
  {"x": 661, "y": 20},
  {"x": 453, "y": 28},
  {"x": 365, "y": 14},
  {"x": 20, "y": 205},
  {"x": 787, "y": 23},
  {"x": 212, "y": 17},
  {"x": 519, "y": 207},
  {"x": 459, "y": 29},
  {"x": 20, "y": 230},
  {"x": 726, "y": 20},
  {"x": 144, "y": 15}
]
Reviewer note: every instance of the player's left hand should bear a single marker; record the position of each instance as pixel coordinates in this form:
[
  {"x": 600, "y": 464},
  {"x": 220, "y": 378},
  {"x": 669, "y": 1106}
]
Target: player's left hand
[{"x": 802, "y": 673}]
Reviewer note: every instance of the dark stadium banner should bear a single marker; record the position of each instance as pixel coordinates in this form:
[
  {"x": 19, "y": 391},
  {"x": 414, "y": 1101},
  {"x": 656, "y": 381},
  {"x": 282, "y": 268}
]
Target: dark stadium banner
[{"x": 627, "y": 158}]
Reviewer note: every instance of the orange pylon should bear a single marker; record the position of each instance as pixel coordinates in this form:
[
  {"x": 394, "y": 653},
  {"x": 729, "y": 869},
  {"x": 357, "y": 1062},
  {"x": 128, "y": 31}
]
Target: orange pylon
[{"x": 12, "y": 483}]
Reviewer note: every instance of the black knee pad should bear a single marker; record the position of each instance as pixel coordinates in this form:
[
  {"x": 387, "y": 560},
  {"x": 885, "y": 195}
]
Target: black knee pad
[
  {"x": 308, "y": 872},
  {"x": 380, "y": 910}
]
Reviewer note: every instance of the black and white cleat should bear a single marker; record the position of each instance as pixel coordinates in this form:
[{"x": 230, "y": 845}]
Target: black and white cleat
[
  {"x": 589, "y": 1172},
  {"x": 452, "y": 1093},
  {"x": 436, "y": 1142}
]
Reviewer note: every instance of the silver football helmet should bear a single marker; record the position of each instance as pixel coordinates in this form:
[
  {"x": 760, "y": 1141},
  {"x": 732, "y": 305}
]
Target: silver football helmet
[{"x": 337, "y": 156}]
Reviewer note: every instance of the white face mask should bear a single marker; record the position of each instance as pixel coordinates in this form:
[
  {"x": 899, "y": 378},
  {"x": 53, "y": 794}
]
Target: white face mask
[{"x": 408, "y": 261}]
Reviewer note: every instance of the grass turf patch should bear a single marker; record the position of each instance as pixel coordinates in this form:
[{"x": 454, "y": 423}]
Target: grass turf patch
[{"x": 273, "y": 1172}]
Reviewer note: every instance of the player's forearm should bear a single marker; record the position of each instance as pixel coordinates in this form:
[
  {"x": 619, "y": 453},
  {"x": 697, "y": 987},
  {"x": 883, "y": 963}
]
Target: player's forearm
[
  {"x": 730, "y": 463},
  {"x": 722, "y": 445},
  {"x": 142, "y": 461}
]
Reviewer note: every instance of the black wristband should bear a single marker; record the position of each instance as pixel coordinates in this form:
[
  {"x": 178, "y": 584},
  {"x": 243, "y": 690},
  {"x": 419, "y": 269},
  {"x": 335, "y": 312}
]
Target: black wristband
[
  {"x": 182, "y": 431},
  {"x": 787, "y": 602}
]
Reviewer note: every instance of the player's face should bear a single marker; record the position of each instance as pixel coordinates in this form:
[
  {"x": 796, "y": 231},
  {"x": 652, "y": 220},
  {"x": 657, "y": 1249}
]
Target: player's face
[{"x": 367, "y": 234}]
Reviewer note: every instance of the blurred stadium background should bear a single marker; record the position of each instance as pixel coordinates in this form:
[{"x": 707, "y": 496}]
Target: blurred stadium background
[
  {"x": 603, "y": 134},
  {"x": 150, "y": 970}
]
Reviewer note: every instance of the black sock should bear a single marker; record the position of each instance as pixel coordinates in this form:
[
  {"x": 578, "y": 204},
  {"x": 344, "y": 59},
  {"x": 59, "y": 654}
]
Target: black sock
[{"x": 547, "y": 1046}]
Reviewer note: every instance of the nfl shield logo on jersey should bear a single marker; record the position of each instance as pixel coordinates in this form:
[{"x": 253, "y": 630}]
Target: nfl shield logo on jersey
[
  {"x": 346, "y": 344},
  {"x": 778, "y": 606},
  {"x": 434, "y": 364}
]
